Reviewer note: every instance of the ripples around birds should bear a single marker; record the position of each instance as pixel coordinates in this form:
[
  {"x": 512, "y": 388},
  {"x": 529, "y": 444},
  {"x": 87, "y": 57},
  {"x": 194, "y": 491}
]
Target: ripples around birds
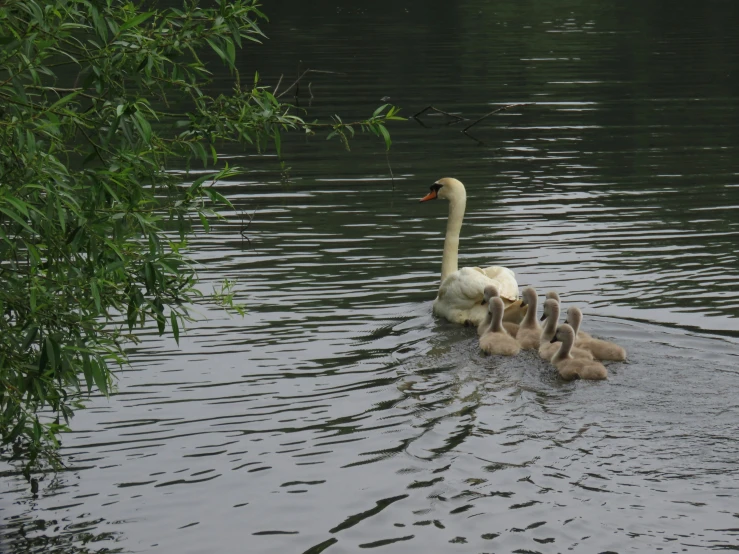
[{"x": 338, "y": 414}]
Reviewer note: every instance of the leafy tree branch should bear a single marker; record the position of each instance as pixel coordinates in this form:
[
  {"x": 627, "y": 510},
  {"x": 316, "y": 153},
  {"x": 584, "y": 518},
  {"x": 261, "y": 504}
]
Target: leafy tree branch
[{"x": 100, "y": 102}]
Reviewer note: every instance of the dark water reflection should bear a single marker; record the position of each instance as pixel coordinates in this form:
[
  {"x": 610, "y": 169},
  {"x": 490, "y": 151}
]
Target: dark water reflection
[{"x": 339, "y": 414}]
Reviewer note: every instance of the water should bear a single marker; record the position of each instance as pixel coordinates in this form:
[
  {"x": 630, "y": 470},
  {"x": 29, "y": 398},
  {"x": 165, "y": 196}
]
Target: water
[{"x": 339, "y": 413}]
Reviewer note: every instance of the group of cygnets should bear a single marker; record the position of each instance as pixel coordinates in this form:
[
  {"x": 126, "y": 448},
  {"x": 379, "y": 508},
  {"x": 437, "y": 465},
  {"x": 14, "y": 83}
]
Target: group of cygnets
[
  {"x": 502, "y": 327},
  {"x": 575, "y": 354}
]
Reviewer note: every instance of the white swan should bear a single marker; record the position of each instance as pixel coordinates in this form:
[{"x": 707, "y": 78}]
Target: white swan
[{"x": 461, "y": 290}]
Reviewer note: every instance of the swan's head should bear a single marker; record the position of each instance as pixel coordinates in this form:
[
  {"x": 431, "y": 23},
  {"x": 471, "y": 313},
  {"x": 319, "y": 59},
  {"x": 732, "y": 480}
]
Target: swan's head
[
  {"x": 496, "y": 307},
  {"x": 564, "y": 333},
  {"x": 529, "y": 296},
  {"x": 551, "y": 309},
  {"x": 489, "y": 292},
  {"x": 553, "y": 295},
  {"x": 574, "y": 317},
  {"x": 447, "y": 189}
]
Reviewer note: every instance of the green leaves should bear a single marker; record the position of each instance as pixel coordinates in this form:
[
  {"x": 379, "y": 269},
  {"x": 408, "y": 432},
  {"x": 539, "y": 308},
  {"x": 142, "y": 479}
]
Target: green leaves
[
  {"x": 375, "y": 125},
  {"x": 385, "y": 135},
  {"x": 135, "y": 21},
  {"x": 64, "y": 100},
  {"x": 102, "y": 108},
  {"x": 175, "y": 326},
  {"x": 96, "y": 296}
]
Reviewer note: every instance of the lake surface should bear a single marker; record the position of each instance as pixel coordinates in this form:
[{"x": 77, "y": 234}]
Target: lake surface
[{"x": 339, "y": 414}]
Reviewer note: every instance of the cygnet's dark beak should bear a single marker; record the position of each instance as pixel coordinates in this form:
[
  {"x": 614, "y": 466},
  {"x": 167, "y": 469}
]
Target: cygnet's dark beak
[
  {"x": 543, "y": 317},
  {"x": 554, "y": 339},
  {"x": 523, "y": 303},
  {"x": 567, "y": 322}
]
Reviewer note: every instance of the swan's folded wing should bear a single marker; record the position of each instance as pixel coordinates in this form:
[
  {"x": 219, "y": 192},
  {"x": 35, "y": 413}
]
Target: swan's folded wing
[
  {"x": 497, "y": 271},
  {"x": 506, "y": 281},
  {"x": 465, "y": 286}
]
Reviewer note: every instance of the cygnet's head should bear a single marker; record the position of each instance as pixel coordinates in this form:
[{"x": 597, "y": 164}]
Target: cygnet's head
[
  {"x": 496, "y": 306},
  {"x": 564, "y": 334},
  {"x": 529, "y": 296},
  {"x": 551, "y": 309},
  {"x": 446, "y": 189},
  {"x": 574, "y": 317},
  {"x": 552, "y": 294},
  {"x": 489, "y": 292}
]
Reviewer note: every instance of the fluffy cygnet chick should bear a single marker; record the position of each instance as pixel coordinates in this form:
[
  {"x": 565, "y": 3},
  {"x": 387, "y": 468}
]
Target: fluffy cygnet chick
[
  {"x": 529, "y": 333},
  {"x": 573, "y": 318},
  {"x": 547, "y": 349},
  {"x": 491, "y": 292},
  {"x": 496, "y": 339},
  {"x": 571, "y": 368},
  {"x": 601, "y": 349},
  {"x": 552, "y": 295}
]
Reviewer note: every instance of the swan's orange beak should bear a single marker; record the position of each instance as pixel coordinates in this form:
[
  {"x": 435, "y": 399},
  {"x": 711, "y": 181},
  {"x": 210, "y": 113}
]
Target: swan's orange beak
[{"x": 430, "y": 196}]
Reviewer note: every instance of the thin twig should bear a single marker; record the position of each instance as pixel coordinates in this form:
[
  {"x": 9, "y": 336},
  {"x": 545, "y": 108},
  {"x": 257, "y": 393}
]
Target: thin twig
[
  {"x": 477, "y": 140},
  {"x": 277, "y": 86},
  {"x": 242, "y": 232},
  {"x": 99, "y": 155},
  {"x": 509, "y": 106},
  {"x": 387, "y": 158},
  {"x": 296, "y": 94},
  {"x": 437, "y": 110},
  {"x": 303, "y": 75}
]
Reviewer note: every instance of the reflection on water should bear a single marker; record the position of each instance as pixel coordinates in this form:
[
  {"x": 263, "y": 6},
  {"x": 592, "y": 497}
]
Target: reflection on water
[{"x": 339, "y": 414}]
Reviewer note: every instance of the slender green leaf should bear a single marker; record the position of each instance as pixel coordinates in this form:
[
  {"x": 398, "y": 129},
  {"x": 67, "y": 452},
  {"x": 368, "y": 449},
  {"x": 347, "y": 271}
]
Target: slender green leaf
[
  {"x": 100, "y": 375},
  {"x": 175, "y": 327},
  {"x": 217, "y": 49},
  {"x": 15, "y": 217},
  {"x": 385, "y": 135},
  {"x": 379, "y": 110},
  {"x": 49, "y": 349},
  {"x": 87, "y": 370},
  {"x": 96, "y": 296},
  {"x": 137, "y": 20},
  {"x": 64, "y": 100}
]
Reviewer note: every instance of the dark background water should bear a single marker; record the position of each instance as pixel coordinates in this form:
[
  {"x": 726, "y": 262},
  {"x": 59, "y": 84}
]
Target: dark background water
[{"x": 339, "y": 414}]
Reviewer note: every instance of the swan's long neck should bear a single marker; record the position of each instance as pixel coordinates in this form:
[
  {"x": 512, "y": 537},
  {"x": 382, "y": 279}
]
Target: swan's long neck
[
  {"x": 496, "y": 322},
  {"x": 576, "y": 321},
  {"x": 457, "y": 205},
  {"x": 564, "y": 350},
  {"x": 529, "y": 320},
  {"x": 550, "y": 325},
  {"x": 488, "y": 320}
]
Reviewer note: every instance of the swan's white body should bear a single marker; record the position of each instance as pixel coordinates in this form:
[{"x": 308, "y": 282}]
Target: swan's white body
[{"x": 461, "y": 291}]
